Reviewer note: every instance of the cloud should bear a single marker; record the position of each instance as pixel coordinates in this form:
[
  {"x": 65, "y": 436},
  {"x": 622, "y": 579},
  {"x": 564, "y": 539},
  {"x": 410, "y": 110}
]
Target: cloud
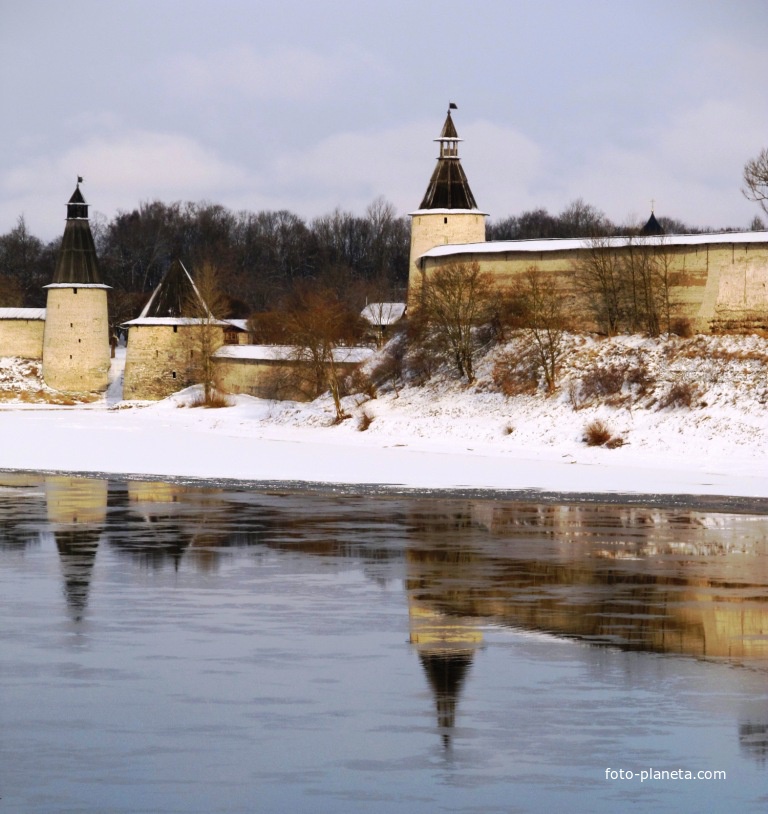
[
  {"x": 691, "y": 165},
  {"x": 121, "y": 169},
  {"x": 286, "y": 74},
  {"x": 350, "y": 169}
]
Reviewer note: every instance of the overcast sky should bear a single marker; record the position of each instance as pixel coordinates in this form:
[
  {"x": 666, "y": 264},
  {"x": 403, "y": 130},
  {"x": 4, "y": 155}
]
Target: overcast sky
[{"x": 309, "y": 106}]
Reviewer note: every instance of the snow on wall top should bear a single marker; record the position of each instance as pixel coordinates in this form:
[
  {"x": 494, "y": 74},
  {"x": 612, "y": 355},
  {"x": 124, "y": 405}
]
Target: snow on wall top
[
  {"x": 276, "y": 353},
  {"x": 173, "y": 321},
  {"x": 22, "y": 313},
  {"x": 569, "y": 244}
]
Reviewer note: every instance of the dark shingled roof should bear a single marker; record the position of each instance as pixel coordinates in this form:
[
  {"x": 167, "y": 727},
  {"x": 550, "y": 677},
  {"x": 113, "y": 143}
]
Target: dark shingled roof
[
  {"x": 448, "y": 188},
  {"x": 653, "y": 227},
  {"x": 174, "y": 296},
  {"x": 449, "y": 128},
  {"x": 77, "y": 261}
]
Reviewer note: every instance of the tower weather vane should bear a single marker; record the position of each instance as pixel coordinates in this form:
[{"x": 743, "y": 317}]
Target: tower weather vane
[{"x": 452, "y": 106}]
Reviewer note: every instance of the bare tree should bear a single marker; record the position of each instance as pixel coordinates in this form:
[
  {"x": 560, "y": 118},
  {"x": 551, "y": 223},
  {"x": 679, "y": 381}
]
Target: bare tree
[
  {"x": 664, "y": 291},
  {"x": 205, "y": 306},
  {"x": 318, "y": 323},
  {"x": 627, "y": 284},
  {"x": 545, "y": 309},
  {"x": 756, "y": 179},
  {"x": 598, "y": 276},
  {"x": 452, "y": 303},
  {"x": 637, "y": 275}
]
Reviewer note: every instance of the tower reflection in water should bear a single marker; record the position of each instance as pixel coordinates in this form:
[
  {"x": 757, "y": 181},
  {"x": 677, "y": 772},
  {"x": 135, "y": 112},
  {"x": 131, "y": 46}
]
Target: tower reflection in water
[
  {"x": 665, "y": 581},
  {"x": 77, "y": 511}
]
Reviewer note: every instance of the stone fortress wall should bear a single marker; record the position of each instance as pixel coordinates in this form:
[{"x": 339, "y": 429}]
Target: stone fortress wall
[
  {"x": 716, "y": 285},
  {"x": 20, "y": 337}
]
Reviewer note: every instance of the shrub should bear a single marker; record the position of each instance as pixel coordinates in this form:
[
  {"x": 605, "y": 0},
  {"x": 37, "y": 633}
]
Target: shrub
[
  {"x": 365, "y": 421},
  {"x": 215, "y": 400},
  {"x": 603, "y": 381},
  {"x": 681, "y": 326},
  {"x": 422, "y": 365},
  {"x": 597, "y": 434},
  {"x": 516, "y": 371},
  {"x": 680, "y": 394},
  {"x": 640, "y": 378},
  {"x": 574, "y": 394},
  {"x": 391, "y": 366},
  {"x": 357, "y": 382}
]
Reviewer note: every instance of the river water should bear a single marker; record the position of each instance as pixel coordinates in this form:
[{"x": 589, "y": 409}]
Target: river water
[{"x": 165, "y": 648}]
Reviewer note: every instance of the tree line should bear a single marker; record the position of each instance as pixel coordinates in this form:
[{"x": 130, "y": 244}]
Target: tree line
[
  {"x": 262, "y": 257},
  {"x": 259, "y": 257}
]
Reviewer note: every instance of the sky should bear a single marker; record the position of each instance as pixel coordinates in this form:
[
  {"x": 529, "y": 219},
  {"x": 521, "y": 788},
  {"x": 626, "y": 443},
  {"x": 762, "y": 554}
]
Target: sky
[{"x": 310, "y": 106}]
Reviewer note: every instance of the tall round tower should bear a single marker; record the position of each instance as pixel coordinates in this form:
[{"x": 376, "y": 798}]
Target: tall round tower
[
  {"x": 76, "y": 354},
  {"x": 448, "y": 213}
]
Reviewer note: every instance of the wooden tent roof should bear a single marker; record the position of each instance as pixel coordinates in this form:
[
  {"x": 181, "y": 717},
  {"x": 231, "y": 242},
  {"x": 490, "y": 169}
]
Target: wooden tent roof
[
  {"x": 77, "y": 261},
  {"x": 175, "y": 296},
  {"x": 448, "y": 188}
]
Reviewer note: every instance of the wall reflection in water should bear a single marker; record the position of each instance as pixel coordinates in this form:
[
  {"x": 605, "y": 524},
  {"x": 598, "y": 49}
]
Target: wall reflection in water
[{"x": 666, "y": 581}]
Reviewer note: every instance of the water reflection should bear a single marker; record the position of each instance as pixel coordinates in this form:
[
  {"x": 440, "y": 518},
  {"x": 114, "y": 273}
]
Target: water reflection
[
  {"x": 672, "y": 582},
  {"x": 446, "y": 642},
  {"x": 645, "y": 579},
  {"x": 77, "y": 511},
  {"x": 20, "y": 508},
  {"x": 635, "y": 579}
]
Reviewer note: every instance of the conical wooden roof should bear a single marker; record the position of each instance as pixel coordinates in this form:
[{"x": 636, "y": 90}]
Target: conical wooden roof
[
  {"x": 175, "y": 296},
  {"x": 77, "y": 261},
  {"x": 448, "y": 187}
]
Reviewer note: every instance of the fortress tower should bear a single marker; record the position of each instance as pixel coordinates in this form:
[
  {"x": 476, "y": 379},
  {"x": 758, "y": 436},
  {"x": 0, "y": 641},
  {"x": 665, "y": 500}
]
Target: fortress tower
[
  {"x": 76, "y": 353},
  {"x": 448, "y": 213}
]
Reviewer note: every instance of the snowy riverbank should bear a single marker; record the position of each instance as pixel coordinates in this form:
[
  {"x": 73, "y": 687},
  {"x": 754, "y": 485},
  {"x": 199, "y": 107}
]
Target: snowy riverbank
[{"x": 440, "y": 436}]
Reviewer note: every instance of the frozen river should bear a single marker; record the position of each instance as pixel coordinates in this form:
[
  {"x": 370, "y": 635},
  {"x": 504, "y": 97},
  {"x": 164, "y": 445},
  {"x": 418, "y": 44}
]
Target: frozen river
[{"x": 174, "y": 649}]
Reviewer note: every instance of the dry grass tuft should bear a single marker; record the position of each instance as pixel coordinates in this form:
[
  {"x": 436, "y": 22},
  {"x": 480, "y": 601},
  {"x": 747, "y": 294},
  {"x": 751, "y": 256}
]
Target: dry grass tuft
[
  {"x": 52, "y": 397},
  {"x": 598, "y": 434},
  {"x": 215, "y": 401},
  {"x": 364, "y": 421}
]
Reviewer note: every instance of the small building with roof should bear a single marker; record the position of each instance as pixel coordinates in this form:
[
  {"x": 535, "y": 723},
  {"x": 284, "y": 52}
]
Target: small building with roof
[{"x": 381, "y": 316}]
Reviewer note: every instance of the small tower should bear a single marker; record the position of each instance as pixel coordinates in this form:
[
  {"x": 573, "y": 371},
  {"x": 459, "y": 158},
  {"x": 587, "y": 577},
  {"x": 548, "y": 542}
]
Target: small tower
[
  {"x": 76, "y": 354},
  {"x": 448, "y": 213},
  {"x": 168, "y": 340}
]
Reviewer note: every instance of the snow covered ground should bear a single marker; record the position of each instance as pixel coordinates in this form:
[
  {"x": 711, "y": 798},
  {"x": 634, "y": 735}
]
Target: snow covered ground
[{"x": 444, "y": 435}]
